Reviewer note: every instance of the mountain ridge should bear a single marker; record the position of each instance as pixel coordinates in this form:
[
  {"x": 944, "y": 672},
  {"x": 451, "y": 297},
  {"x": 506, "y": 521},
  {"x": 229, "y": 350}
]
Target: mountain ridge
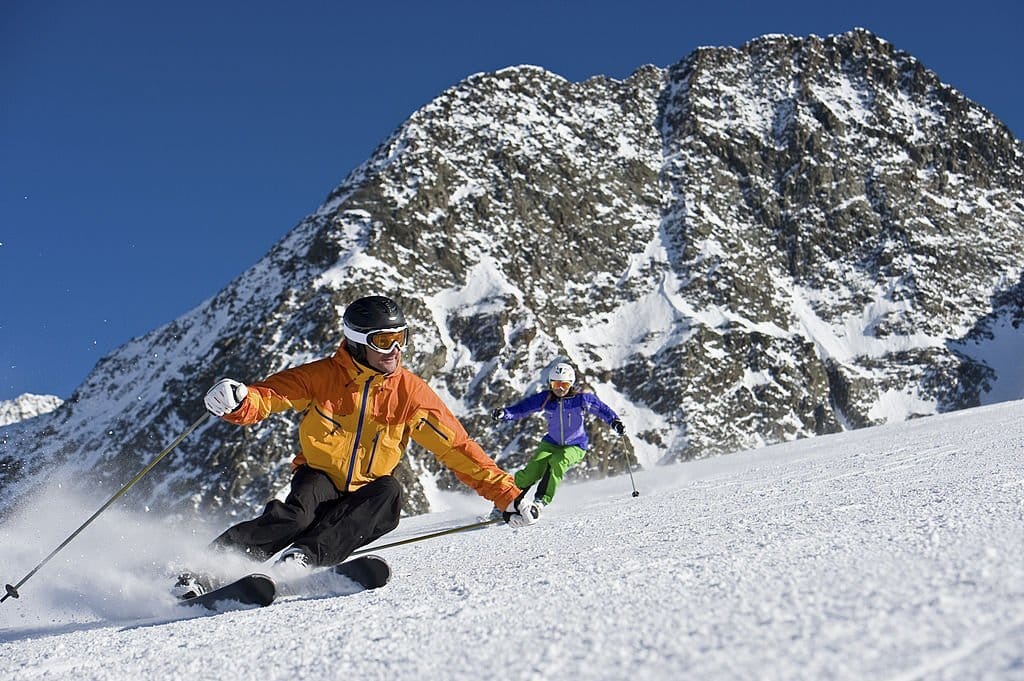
[{"x": 756, "y": 244}]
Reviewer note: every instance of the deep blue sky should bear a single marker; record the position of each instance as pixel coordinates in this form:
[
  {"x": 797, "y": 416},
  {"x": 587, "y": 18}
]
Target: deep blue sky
[{"x": 150, "y": 152}]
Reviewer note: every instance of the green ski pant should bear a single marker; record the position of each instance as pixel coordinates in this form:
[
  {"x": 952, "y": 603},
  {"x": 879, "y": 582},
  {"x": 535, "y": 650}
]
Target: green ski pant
[{"x": 548, "y": 466}]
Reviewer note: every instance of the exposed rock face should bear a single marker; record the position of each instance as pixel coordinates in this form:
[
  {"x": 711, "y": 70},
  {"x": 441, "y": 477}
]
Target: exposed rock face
[{"x": 758, "y": 244}]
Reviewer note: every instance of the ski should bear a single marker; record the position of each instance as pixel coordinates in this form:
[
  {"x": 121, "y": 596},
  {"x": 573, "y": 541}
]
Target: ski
[
  {"x": 369, "y": 572},
  {"x": 255, "y": 589}
]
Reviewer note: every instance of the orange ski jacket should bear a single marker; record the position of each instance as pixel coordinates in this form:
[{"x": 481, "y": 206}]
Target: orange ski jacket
[{"x": 358, "y": 422}]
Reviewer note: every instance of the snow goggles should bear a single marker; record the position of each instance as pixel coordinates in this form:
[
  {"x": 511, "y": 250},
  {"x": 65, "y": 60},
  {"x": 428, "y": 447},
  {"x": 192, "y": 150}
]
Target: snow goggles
[
  {"x": 564, "y": 385},
  {"x": 382, "y": 340}
]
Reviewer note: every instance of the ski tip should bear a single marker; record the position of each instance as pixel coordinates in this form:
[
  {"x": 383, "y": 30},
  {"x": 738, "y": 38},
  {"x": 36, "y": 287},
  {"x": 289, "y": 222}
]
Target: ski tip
[
  {"x": 381, "y": 568},
  {"x": 369, "y": 571}
]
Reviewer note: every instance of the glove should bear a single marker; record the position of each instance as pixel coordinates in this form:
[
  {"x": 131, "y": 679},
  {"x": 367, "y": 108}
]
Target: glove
[
  {"x": 521, "y": 512},
  {"x": 499, "y": 415},
  {"x": 618, "y": 427},
  {"x": 225, "y": 397}
]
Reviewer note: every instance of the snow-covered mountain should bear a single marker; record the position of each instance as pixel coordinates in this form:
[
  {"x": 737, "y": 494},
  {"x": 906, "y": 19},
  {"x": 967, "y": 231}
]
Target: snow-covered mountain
[
  {"x": 894, "y": 552},
  {"x": 757, "y": 244},
  {"x": 27, "y": 406}
]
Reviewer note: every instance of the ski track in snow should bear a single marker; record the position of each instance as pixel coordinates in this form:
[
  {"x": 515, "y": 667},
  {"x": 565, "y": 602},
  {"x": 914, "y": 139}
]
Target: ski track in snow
[{"x": 889, "y": 553}]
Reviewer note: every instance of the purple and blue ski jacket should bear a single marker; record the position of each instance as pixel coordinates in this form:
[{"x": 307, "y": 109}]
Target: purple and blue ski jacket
[{"x": 564, "y": 415}]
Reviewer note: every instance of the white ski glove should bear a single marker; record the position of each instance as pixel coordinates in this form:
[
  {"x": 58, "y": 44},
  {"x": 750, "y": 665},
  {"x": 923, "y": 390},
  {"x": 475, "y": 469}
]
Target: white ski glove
[
  {"x": 225, "y": 396},
  {"x": 521, "y": 512}
]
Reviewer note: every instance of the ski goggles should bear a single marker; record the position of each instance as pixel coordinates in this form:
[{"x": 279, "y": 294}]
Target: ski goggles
[
  {"x": 382, "y": 340},
  {"x": 560, "y": 385}
]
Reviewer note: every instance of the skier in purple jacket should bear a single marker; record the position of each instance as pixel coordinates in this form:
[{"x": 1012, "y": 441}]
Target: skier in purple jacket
[{"x": 566, "y": 442}]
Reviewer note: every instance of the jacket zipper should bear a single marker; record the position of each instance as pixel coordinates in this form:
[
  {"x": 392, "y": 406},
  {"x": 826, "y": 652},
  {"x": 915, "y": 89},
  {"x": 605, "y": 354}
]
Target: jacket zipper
[
  {"x": 561, "y": 423},
  {"x": 431, "y": 425},
  {"x": 373, "y": 452},
  {"x": 337, "y": 426},
  {"x": 358, "y": 434}
]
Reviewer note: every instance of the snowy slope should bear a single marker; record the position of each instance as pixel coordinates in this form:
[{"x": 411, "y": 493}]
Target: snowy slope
[{"x": 894, "y": 552}]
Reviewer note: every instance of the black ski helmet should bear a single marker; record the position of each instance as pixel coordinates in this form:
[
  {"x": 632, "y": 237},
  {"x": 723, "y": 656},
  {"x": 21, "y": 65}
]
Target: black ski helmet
[
  {"x": 373, "y": 313},
  {"x": 366, "y": 315}
]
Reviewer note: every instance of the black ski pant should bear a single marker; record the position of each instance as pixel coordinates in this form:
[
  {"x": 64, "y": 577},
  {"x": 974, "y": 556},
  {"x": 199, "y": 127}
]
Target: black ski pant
[{"x": 329, "y": 525}]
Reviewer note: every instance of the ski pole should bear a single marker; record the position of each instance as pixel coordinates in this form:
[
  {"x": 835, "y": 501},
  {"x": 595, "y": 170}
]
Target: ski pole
[
  {"x": 452, "y": 530},
  {"x": 12, "y": 590},
  {"x": 629, "y": 469}
]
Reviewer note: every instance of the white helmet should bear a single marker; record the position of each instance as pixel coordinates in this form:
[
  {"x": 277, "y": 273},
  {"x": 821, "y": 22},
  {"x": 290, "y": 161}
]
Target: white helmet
[{"x": 562, "y": 372}]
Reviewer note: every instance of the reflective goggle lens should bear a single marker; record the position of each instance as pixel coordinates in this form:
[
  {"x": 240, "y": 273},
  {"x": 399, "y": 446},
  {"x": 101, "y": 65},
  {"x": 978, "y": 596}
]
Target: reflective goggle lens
[
  {"x": 386, "y": 341},
  {"x": 561, "y": 385}
]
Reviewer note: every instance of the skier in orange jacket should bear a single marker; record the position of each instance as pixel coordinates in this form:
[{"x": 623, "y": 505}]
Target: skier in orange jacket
[{"x": 361, "y": 408}]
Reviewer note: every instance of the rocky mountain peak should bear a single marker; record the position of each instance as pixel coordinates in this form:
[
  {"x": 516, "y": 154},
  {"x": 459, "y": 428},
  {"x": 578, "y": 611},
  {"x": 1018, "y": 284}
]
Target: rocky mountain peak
[{"x": 756, "y": 244}]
